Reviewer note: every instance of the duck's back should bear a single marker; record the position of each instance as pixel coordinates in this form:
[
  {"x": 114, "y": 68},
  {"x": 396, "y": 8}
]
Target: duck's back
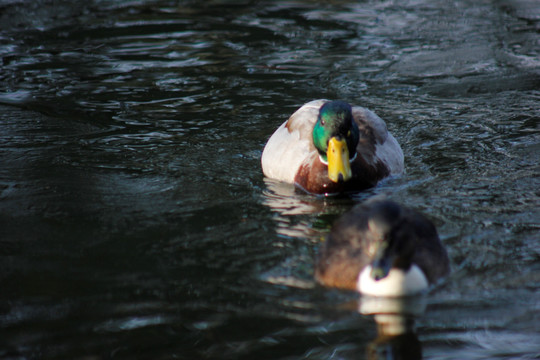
[
  {"x": 291, "y": 143},
  {"x": 345, "y": 253},
  {"x": 430, "y": 254},
  {"x": 376, "y": 144}
]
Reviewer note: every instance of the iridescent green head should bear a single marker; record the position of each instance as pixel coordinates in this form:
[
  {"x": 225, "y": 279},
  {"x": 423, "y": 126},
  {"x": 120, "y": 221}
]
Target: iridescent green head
[{"x": 335, "y": 136}]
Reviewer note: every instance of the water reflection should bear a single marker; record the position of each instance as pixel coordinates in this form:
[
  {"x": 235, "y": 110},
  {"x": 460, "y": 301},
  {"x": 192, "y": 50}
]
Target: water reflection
[
  {"x": 395, "y": 318},
  {"x": 285, "y": 199},
  {"x": 298, "y": 214}
]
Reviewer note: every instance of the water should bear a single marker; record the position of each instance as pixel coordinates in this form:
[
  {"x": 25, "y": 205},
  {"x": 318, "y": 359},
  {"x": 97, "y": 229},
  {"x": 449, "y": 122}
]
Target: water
[{"x": 134, "y": 218}]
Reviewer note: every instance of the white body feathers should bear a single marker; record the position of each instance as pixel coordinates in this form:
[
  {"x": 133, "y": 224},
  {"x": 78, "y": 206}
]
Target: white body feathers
[{"x": 396, "y": 283}]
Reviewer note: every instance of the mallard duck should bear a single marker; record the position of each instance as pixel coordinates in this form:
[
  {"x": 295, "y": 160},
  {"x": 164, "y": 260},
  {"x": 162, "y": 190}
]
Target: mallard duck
[
  {"x": 381, "y": 248},
  {"x": 330, "y": 147}
]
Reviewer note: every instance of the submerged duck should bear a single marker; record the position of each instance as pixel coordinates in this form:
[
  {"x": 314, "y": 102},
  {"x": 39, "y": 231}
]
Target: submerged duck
[
  {"x": 330, "y": 147},
  {"x": 382, "y": 249}
]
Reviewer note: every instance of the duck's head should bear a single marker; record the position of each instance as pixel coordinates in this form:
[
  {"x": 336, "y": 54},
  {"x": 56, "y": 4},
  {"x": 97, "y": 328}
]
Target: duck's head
[
  {"x": 335, "y": 136},
  {"x": 395, "y": 242}
]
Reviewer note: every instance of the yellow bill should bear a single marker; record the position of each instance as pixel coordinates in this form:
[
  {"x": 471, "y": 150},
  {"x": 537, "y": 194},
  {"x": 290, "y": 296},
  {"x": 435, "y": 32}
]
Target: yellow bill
[{"x": 338, "y": 160}]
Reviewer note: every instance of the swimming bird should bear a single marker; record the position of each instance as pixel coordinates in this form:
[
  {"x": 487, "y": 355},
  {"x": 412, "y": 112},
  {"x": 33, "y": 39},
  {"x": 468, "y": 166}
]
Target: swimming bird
[
  {"x": 329, "y": 147},
  {"x": 381, "y": 248}
]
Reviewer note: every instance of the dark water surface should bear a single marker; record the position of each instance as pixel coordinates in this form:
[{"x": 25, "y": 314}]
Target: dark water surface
[{"x": 135, "y": 222}]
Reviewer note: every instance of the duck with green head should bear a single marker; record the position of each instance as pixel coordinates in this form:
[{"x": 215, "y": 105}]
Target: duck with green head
[{"x": 328, "y": 147}]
